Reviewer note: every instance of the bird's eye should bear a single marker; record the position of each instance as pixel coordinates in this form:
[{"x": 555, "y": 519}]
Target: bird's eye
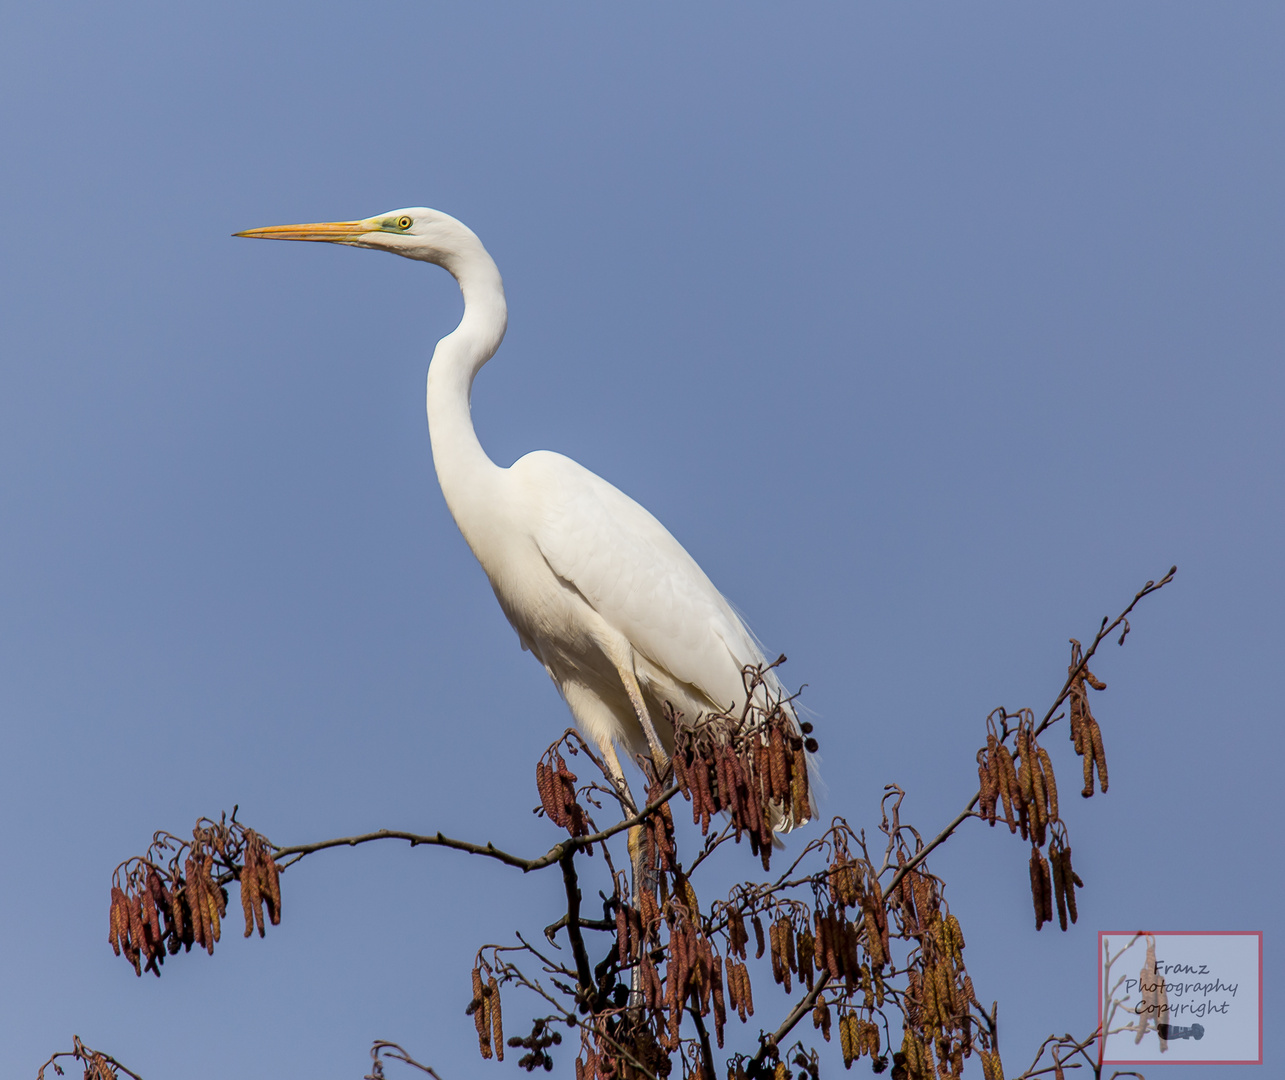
[{"x": 404, "y": 222}]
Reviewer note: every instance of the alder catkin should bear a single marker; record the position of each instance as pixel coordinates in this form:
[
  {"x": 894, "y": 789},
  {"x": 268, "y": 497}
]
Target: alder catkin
[
  {"x": 986, "y": 794},
  {"x": 1038, "y": 790},
  {"x": 1007, "y": 784},
  {"x": 1072, "y": 880},
  {"x": 622, "y": 934},
  {"x": 1099, "y": 754},
  {"x": 251, "y": 904},
  {"x": 956, "y": 934},
  {"x": 780, "y": 778},
  {"x": 497, "y": 1023},
  {"x": 1059, "y": 884},
  {"x": 1024, "y": 781},
  {"x": 1050, "y": 783},
  {"x": 720, "y": 1004},
  {"x": 544, "y": 784},
  {"x": 737, "y": 935},
  {"x": 115, "y": 923},
  {"x": 774, "y": 951},
  {"x": 845, "y": 1039},
  {"x": 704, "y": 797},
  {"x": 1037, "y": 887},
  {"x": 480, "y": 1019},
  {"x": 807, "y": 950},
  {"x": 680, "y": 773}
]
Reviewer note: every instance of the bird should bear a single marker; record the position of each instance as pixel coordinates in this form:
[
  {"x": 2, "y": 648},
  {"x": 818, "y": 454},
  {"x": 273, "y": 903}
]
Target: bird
[{"x": 622, "y": 618}]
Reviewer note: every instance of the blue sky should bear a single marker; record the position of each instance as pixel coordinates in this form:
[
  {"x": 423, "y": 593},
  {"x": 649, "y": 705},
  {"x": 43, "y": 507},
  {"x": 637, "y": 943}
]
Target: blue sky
[{"x": 932, "y": 331}]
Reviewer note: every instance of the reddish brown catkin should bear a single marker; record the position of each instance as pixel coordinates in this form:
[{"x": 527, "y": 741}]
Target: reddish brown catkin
[
  {"x": 480, "y": 1019},
  {"x": 1059, "y": 884},
  {"x": 1099, "y": 755},
  {"x": 1037, "y": 887},
  {"x": 1050, "y": 783},
  {"x": 497, "y": 1023},
  {"x": 1072, "y": 882},
  {"x": 1007, "y": 782},
  {"x": 780, "y": 780}
]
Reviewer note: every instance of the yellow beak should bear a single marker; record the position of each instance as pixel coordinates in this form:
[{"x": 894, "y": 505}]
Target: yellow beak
[{"x": 337, "y": 232}]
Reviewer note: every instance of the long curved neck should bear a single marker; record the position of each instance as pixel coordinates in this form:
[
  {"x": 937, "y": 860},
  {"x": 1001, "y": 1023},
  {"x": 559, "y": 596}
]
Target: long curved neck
[{"x": 467, "y": 476}]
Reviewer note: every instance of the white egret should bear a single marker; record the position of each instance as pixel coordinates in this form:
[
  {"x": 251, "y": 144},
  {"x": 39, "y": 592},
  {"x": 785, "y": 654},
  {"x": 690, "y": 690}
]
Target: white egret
[{"x": 619, "y": 614}]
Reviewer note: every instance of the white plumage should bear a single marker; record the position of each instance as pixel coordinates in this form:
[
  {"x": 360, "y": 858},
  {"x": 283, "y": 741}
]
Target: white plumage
[{"x": 619, "y": 614}]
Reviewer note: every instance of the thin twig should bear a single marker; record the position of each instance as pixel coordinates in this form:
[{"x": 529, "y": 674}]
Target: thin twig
[
  {"x": 799, "y": 1011},
  {"x": 295, "y": 852},
  {"x": 572, "y": 886},
  {"x": 963, "y": 815},
  {"x": 87, "y": 1054}
]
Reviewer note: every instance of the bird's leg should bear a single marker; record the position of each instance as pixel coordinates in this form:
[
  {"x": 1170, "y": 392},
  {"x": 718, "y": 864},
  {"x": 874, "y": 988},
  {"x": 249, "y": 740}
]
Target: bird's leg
[
  {"x": 617, "y": 777},
  {"x": 658, "y": 756},
  {"x": 640, "y": 864}
]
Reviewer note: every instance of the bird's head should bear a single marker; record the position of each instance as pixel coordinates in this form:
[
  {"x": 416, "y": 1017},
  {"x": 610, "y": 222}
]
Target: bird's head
[{"x": 415, "y": 232}]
